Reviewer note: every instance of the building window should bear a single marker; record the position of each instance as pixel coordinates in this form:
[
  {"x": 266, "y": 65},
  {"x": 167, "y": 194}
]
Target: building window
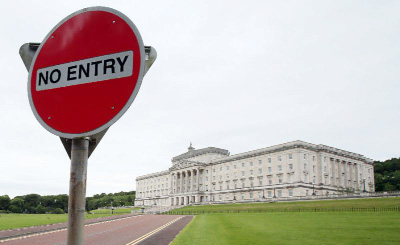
[
  {"x": 313, "y": 168},
  {"x": 259, "y": 194},
  {"x": 290, "y": 156},
  {"x": 269, "y": 193},
  {"x": 280, "y": 179},
  {"x": 291, "y": 178},
  {"x": 290, "y": 192},
  {"x": 251, "y": 164},
  {"x": 220, "y": 169},
  {"x": 243, "y": 174},
  {"x": 279, "y": 167},
  {"x": 259, "y": 162},
  {"x": 214, "y": 177},
  {"x": 291, "y": 166},
  {"x": 279, "y": 193},
  {"x": 243, "y": 184},
  {"x": 305, "y": 156},
  {"x": 270, "y": 181},
  {"x": 206, "y": 178},
  {"x": 260, "y": 182},
  {"x": 260, "y": 171},
  {"x": 307, "y": 194},
  {"x": 206, "y": 187},
  {"x": 235, "y": 185},
  {"x": 325, "y": 169},
  {"x": 227, "y": 176},
  {"x": 269, "y": 160},
  {"x": 235, "y": 173},
  {"x": 220, "y": 197},
  {"x": 207, "y": 171},
  {"x": 279, "y": 158},
  {"x": 251, "y": 172},
  {"x": 227, "y": 197},
  {"x": 242, "y": 196},
  {"x": 220, "y": 177},
  {"x": 305, "y": 166},
  {"x": 269, "y": 169},
  {"x": 251, "y": 195},
  {"x": 313, "y": 158},
  {"x": 234, "y": 166},
  {"x": 227, "y": 186},
  {"x": 242, "y": 164},
  {"x": 324, "y": 159},
  {"x": 313, "y": 180},
  {"x": 251, "y": 184},
  {"x": 213, "y": 170}
]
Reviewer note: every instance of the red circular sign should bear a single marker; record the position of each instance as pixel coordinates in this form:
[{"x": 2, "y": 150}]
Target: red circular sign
[{"x": 86, "y": 72}]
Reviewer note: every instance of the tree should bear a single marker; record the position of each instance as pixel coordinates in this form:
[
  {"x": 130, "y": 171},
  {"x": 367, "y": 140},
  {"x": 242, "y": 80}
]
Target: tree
[
  {"x": 387, "y": 175},
  {"x": 17, "y": 205},
  {"x": 4, "y": 202}
]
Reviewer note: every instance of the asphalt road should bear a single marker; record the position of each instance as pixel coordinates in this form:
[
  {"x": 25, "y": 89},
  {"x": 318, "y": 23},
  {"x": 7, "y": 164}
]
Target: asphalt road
[{"x": 143, "y": 229}]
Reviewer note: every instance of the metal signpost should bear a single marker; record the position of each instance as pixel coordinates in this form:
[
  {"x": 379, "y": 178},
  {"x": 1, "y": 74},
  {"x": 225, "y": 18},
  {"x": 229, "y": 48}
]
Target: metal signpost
[{"x": 82, "y": 78}]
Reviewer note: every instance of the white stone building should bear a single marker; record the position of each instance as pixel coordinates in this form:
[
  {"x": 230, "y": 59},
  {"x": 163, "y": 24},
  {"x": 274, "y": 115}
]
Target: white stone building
[{"x": 293, "y": 169}]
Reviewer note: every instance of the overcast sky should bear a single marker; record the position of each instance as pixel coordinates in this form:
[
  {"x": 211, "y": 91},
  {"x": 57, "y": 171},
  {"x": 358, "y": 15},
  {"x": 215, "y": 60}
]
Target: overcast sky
[{"x": 239, "y": 75}]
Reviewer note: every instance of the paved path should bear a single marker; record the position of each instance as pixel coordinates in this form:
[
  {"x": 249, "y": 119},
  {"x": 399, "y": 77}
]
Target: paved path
[{"x": 129, "y": 230}]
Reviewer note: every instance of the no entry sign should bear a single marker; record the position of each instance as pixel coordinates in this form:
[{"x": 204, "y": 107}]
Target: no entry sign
[{"x": 86, "y": 72}]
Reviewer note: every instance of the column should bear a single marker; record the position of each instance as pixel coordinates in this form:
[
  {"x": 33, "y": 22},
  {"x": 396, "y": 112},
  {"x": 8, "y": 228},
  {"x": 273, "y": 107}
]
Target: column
[
  {"x": 346, "y": 175},
  {"x": 187, "y": 181},
  {"x": 357, "y": 185},
  {"x": 191, "y": 180},
  {"x": 182, "y": 182},
  {"x": 198, "y": 179},
  {"x": 351, "y": 174},
  {"x": 171, "y": 183},
  {"x": 333, "y": 172},
  {"x": 340, "y": 173}
]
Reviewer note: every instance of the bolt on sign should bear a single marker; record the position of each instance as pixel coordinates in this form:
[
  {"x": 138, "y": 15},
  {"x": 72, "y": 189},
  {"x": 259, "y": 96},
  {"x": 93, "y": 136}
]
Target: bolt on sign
[{"x": 86, "y": 72}]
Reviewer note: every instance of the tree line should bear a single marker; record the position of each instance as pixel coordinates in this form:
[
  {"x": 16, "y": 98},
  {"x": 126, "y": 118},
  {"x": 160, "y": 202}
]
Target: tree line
[
  {"x": 58, "y": 204},
  {"x": 387, "y": 175}
]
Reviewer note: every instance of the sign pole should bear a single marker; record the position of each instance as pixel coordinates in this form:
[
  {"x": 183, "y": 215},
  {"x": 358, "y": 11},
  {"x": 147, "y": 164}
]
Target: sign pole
[{"x": 77, "y": 190}]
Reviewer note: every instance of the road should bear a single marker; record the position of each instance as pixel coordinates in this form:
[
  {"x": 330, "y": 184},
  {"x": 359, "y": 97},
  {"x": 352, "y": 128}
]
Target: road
[{"x": 142, "y": 229}]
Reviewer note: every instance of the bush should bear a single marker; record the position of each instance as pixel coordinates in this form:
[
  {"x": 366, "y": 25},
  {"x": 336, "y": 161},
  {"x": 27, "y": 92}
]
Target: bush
[{"x": 59, "y": 211}]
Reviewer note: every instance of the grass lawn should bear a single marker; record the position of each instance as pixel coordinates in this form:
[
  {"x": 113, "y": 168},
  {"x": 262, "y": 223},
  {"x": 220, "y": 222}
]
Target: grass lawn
[
  {"x": 11, "y": 221},
  {"x": 293, "y": 228},
  {"x": 116, "y": 211},
  {"x": 391, "y": 202}
]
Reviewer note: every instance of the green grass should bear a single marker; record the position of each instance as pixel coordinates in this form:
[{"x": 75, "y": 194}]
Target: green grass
[
  {"x": 263, "y": 227},
  {"x": 12, "y": 221},
  {"x": 323, "y": 204},
  {"x": 293, "y": 228}
]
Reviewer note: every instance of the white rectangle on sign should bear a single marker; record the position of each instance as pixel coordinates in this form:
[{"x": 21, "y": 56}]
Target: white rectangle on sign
[{"x": 90, "y": 70}]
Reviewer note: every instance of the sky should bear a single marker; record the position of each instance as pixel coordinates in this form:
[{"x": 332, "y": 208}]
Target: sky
[{"x": 238, "y": 75}]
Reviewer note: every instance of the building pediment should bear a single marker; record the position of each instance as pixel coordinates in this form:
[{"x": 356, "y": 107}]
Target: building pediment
[
  {"x": 185, "y": 164},
  {"x": 194, "y": 153}
]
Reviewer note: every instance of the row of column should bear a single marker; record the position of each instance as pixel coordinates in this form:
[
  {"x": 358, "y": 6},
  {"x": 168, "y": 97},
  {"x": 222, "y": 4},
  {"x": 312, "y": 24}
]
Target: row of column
[
  {"x": 343, "y": 172},
  {"x": 183, "y": 183}
]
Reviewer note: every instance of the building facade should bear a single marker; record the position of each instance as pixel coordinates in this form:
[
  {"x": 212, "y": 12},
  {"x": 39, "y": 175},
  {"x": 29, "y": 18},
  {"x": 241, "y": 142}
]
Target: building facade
[{"x": 294, "y": 169}]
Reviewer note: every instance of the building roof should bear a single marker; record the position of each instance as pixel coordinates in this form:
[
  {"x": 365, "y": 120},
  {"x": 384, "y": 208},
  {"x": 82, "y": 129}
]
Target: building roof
[{"x": 193, "y": 153}]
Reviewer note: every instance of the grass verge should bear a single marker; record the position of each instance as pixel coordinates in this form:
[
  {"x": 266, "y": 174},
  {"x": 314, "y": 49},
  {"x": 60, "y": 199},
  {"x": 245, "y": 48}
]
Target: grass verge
[
  {"x": 12, "y": 221},
  {"x": 292, "y": 228}
]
